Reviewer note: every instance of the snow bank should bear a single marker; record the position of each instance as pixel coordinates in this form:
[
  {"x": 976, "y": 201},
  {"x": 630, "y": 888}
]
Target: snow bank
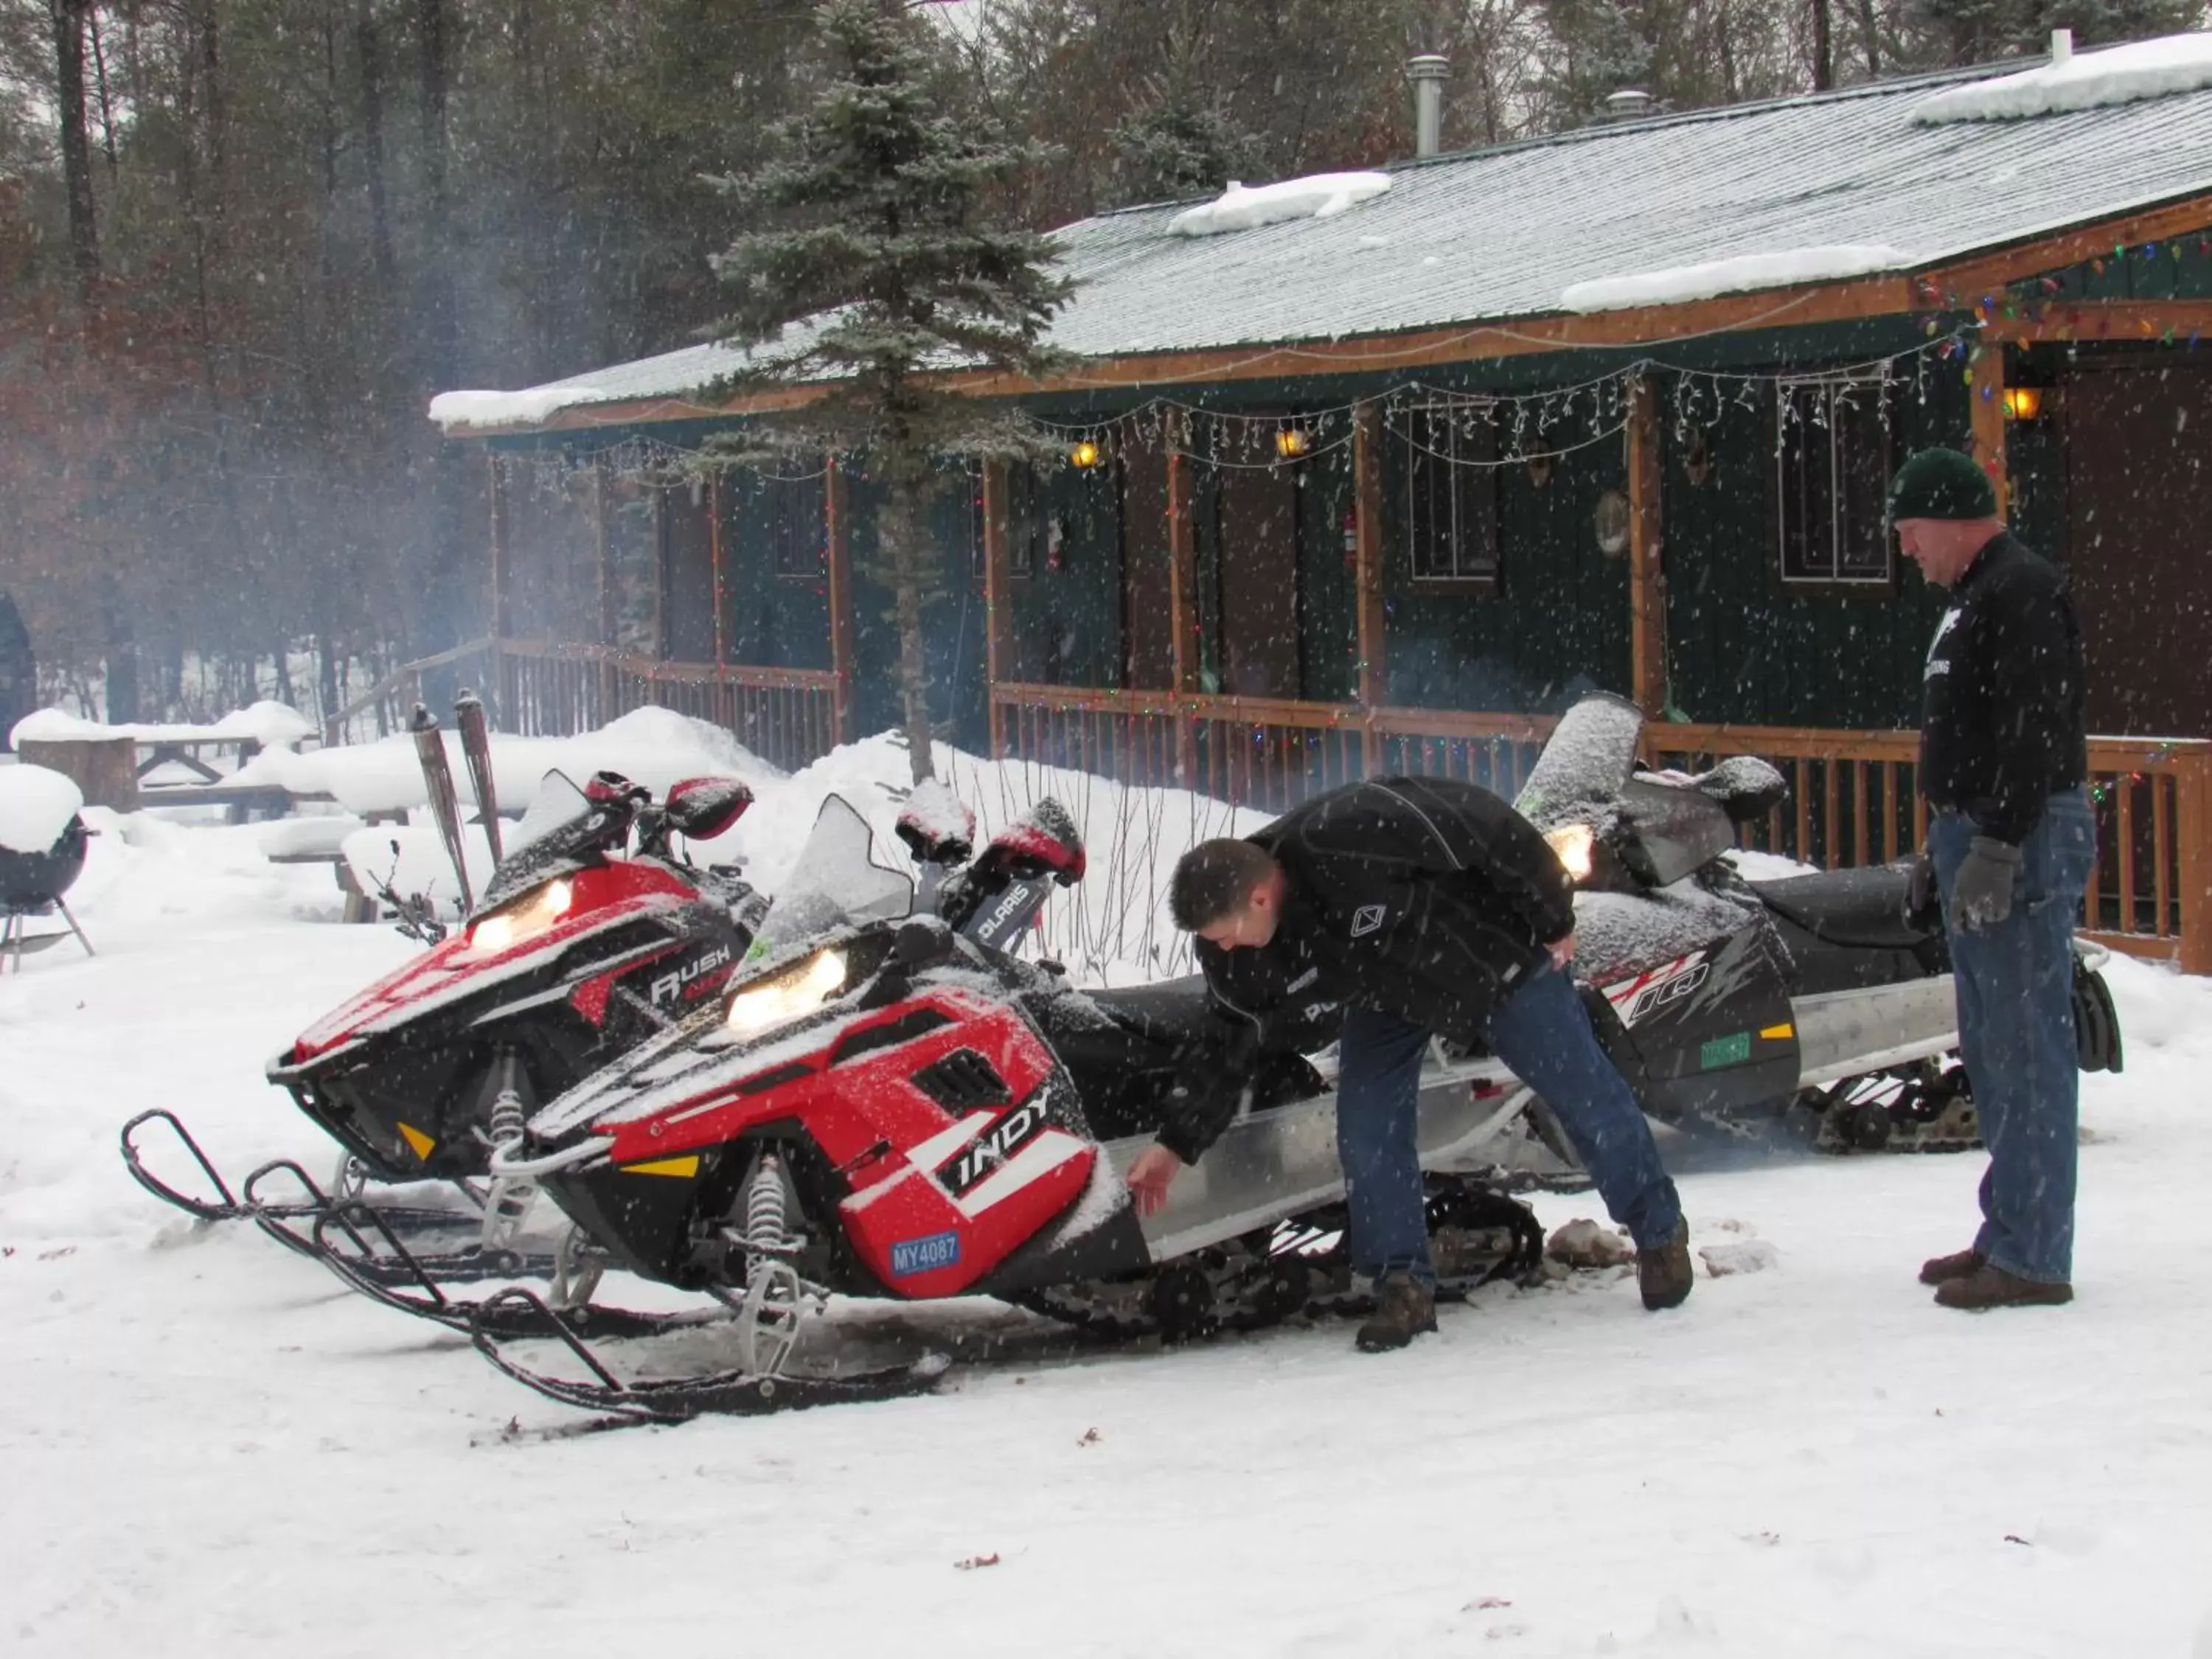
[
  {"x": 469, "y": 411},
  {"x": 1733, "y": 276},
  {"x": 1317, "y": 196},
  {"x": 2118, "y": 75},
  {"x": 36, "y": 804},
  {"x": 411, "y": 858},
  {"x": 652, "y": 746},
  {"x": 273, "y": 724}
]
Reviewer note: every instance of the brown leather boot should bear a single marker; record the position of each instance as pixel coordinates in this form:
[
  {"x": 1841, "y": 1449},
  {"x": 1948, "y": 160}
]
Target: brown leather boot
[
  {"x": 1404, "y": 1308},
  {"x": 1943, "y": 1269},
  {"x": 1665, "y": 1273},
  {"x": 1989, "y": 1287}
]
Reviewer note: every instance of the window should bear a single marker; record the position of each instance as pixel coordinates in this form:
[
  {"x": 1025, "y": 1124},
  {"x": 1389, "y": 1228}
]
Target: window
[
  {"x": 1832, "y": 461},
  {"x": 799, "y": 525},
  {"x": 1451, "y": 493}
]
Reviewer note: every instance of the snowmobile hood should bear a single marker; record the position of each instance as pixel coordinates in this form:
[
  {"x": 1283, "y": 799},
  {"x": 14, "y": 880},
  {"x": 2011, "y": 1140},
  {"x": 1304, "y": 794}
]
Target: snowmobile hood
[{"x": 601, "y": 899}]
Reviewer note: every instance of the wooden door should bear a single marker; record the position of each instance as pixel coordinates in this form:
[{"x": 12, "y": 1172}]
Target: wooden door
[
  {"x": 1259, "y": 522},
  {"x": 2139, "y": 487},
  {"x": 687, "y": 576}
]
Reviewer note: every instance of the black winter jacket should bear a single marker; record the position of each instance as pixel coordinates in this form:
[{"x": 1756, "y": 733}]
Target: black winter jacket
[
  {"x": 1423, "y": 897},
  {"x": 2002, "y": 726}
]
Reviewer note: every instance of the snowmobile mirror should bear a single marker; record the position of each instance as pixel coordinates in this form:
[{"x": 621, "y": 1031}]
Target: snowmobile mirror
[{"x": 703, "y": 808}]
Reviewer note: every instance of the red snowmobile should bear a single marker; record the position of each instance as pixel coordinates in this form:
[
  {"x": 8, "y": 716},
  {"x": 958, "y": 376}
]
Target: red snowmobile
[
  {"x": 891, "y": 1105},
  {"x": 594, "y": 935}
]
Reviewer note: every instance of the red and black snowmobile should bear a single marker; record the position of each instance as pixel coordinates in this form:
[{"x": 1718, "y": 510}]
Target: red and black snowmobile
[
  {"x": 889, "y": 1104},
  {"x": 594, "y": 935}
]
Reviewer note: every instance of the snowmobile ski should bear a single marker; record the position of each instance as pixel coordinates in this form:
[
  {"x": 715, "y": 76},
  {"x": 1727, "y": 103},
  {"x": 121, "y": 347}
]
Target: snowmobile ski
[
  {"x": 438, "y": 778},
  {"x": 519, "y": 1313}
]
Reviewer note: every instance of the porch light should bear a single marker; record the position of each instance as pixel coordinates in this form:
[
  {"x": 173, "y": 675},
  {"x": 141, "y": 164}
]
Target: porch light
[
  {"x": 1084, "y": 453},
  {"x": 1293, "y": 443},
  {"x": 2023, "y": 403}
]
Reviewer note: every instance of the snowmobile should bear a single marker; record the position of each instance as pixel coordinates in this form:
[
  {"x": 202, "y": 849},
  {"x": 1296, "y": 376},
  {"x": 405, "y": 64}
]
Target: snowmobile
[
  {"x": 889, "y": 1104},
  {"x": 594, "y": 935},
  {"x": 1812, "y": 1001}
]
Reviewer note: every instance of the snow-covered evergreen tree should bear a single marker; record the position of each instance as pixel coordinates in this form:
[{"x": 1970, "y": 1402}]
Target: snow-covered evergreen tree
[{"x": 880, "y": 268}]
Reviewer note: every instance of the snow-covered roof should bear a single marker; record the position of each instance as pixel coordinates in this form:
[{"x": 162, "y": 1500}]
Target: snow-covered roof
[
  {"x": 2092, "y": 80},
  {"x": 1651, "y": 212}
]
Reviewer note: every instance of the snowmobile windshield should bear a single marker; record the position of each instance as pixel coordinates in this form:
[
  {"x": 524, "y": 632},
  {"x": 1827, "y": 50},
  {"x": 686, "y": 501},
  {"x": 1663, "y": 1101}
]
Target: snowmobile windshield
[
  {"x": 835, "y": 883},
  {"x": 562, "y": 833},
  {"x": 1586, "y": 764}
]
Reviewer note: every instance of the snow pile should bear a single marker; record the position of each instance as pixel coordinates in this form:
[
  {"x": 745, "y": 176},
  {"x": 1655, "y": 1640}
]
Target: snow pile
[
  {"x": 1741, "y": 274},
  {"x": 2118, "y": 75},
  {"x": 411, "y": 859},
  {"x": 273, "y": 724},
  {"x": 36, "y": 804},
  {"x": 652, "y": 746},
  {"x": 1317, "y": 196}
]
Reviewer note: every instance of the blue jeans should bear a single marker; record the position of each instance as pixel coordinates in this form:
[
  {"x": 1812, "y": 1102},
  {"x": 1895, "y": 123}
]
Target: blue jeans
[
  {"x": 1543, "y": 1032},
  {"x": 2016, "y": 989}
]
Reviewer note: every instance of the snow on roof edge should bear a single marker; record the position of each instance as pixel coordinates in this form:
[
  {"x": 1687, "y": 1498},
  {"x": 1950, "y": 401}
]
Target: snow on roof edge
[{"x": 2162, "y": 67}]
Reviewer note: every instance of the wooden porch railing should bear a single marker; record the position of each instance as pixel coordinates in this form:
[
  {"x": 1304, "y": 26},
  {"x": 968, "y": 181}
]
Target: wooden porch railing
[
  {"x": 1853, "y": 796},
  {"x": 538, "y": 688}
]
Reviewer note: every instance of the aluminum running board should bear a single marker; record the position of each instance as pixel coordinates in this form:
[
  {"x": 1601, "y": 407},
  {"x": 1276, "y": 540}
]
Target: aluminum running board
[
  {"x": 1850, "y": 1033},
  {"x": 1276, "y": 1163}
]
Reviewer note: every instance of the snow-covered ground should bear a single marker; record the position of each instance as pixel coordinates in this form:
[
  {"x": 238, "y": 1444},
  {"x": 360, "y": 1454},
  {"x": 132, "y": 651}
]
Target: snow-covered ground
[{"x": 209, "y": 1447}]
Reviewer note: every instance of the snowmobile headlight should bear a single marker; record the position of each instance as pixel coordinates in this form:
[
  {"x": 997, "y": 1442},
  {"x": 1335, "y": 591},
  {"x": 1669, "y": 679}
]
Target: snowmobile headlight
[
  {"x": 1573, "y": 843},
  {"x": 796, "y": 991},
  {"x": 527, "y": 916}
]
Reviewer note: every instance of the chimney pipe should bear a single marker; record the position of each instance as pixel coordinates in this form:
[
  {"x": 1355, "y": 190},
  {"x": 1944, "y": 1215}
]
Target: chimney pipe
[
  {"x": 1428, "y": 72},
  {"x": 2061, "y": 46}
]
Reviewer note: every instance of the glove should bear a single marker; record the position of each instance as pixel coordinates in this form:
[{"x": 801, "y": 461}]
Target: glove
[
  {"x": 1981, "y": 895},
  {"x": 1920, "y": 908}
]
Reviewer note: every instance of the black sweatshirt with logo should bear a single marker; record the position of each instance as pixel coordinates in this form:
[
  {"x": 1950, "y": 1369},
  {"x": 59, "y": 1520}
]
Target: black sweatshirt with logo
[
  {"x": 2004, "y": 704},
  {"x": 1426, "y": 898}
]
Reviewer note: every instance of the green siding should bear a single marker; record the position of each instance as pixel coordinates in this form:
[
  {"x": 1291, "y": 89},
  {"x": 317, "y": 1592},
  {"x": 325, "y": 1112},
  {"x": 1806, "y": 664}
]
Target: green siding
[
  {"x": 1558, "y": 624},
  {"x": 770, "y": 621}
]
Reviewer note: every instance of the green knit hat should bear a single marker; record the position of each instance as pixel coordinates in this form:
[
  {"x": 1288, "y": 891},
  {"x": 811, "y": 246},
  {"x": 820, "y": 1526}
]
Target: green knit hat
[{"x": 1942, "y": 484}]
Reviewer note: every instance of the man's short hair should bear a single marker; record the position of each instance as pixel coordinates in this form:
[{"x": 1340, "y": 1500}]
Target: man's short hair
[{"x": 1213, "y": 880}]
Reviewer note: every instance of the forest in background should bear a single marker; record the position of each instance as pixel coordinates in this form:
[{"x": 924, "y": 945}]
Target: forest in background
[{"x": 242, "y": 242}]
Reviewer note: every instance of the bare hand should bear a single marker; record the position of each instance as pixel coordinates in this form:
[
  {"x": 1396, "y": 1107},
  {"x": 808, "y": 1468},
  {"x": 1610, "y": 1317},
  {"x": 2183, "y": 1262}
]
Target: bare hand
[
  {"x": 1150, "y": 1176},
  {"x": 1563, "y": 951}
]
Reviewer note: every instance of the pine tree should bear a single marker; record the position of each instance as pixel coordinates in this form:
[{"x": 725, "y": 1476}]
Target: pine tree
[{"x": 884, "y": 269}]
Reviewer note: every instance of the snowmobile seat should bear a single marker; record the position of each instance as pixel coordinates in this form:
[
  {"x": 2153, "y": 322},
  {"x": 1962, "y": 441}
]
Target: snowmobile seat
[
  {"x": 1862, "y": 909},
  {"x": 1172, "y": 1009}
]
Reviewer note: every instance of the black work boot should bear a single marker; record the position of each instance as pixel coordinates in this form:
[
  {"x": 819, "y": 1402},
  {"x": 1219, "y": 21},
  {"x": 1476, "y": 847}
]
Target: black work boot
[
  {"x": 1992, "y": 1286},
  {"x": 1664, "y": 1273},
  {"x": 1961, "y": 1264},
  {"x": 1404, "y": 1308}
]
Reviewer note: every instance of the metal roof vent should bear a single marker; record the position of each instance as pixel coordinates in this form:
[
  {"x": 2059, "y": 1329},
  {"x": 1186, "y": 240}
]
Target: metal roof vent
[
  {"x": 1429, "y": 72},
  {"x": 1629, "y": 104}
]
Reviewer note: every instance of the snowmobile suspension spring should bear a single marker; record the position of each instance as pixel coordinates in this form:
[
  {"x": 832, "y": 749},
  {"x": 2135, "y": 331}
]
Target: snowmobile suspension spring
[
  {"x": 766, "y": 1233},
  {"x": 508, "y": 1202}
]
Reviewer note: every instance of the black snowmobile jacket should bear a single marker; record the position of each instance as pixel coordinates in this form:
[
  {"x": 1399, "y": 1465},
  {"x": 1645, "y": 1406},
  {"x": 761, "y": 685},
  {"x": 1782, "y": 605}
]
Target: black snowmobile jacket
[
  {"x": 2003, "y": 715},
  {"x": 1426, "y": 898}
]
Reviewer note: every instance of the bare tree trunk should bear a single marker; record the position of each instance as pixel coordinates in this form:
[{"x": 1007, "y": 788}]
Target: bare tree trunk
[
  {"x": 1824, "y": 45},
  {"x": 68, "y": 17},
  {"x": 367, "y": 48},
  {"x": 1870, "y": 27},
  {"x": 107, "y": 104}
]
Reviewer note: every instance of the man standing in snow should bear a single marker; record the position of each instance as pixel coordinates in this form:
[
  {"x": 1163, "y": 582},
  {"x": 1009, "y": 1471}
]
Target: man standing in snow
[
  {"x": 2002, "y": 763},
  {"x": 1421, "y": 906}
]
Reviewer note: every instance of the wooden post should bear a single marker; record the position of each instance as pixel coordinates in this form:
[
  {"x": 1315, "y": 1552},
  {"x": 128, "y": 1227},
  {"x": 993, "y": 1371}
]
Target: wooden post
[
  {"x": 498, "y": 629},
  {"x": 606, "y": 584},
  {"x": 1647, "y": 579},
  {"x": 2192, "y": 829},
  {"x": 1367, "y": 573},
  {"x": 714, "y": 563},
  {"x": 996, "y": 601},
  {"x": 1989, "y": 419},
  {"x": 838, "y": 561},
  {"x": 1182, "y": 593}
]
